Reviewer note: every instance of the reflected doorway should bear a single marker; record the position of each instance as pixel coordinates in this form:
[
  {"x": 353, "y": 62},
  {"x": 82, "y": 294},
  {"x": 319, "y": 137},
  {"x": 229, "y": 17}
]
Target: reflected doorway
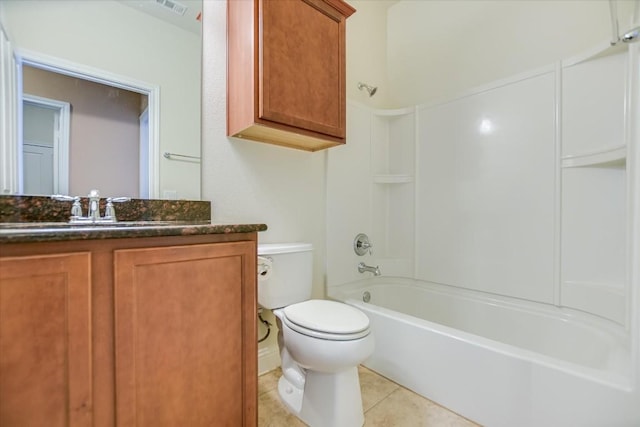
[
  {"x": 104, "y": 137},
  {"x": 45, "y": 145}
]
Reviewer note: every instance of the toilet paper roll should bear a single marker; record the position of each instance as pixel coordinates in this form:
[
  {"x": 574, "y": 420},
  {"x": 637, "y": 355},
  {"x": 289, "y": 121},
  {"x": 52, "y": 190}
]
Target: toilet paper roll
[{"x": 265, "y": 268}]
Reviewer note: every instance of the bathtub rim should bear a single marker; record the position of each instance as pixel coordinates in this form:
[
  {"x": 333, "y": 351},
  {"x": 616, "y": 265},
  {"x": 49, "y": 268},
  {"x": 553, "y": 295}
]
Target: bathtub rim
[{"x": 621, "y": 381}]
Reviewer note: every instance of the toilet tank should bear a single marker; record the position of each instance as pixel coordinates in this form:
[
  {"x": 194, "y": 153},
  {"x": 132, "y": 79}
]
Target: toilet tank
[{"x": 285, "y": 273}]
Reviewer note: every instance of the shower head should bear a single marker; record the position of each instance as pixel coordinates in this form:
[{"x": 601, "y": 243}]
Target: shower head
[{"x": 371, "y": 89}]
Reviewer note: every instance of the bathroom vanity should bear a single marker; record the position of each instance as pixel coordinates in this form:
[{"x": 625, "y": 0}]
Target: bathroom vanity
[{"x": 130, "y": 324}]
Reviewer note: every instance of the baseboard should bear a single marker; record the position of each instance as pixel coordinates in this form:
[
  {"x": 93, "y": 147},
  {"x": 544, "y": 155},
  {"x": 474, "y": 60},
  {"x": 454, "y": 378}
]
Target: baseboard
[{"x": 268, "y": 359}]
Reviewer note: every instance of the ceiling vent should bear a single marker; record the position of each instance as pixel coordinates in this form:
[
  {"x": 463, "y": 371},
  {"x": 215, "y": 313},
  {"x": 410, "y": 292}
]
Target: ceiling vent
[{"x": 173, "y": 6}]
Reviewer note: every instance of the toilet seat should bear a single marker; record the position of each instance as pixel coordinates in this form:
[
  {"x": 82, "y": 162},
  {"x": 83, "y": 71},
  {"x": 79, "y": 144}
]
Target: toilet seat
[{"x": 328, "y": 320}]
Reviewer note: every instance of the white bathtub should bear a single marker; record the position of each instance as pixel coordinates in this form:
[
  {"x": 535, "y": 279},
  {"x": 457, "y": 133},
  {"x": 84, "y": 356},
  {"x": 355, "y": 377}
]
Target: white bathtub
[{"x": 498, "y": 362}]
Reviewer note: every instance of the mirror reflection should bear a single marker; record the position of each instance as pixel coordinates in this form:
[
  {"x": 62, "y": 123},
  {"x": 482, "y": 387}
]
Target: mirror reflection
[
  {"x": 103, "y": 100},
  {"x": 105, "y": 135}
]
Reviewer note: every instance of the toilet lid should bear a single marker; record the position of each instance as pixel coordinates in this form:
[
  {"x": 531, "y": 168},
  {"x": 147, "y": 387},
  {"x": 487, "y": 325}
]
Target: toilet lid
[{"x": 328, "y": 317}]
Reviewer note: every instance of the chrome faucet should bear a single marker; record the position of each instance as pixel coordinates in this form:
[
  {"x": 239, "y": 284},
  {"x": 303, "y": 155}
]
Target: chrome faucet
[
  {"x": 94, "y": 205},
  {"x": 362, "y": 267},
  {"x": 93, "y": 214}
]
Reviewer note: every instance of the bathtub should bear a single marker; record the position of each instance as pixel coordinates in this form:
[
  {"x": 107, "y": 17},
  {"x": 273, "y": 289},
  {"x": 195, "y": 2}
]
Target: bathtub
[{"x": 496, "y": 361}]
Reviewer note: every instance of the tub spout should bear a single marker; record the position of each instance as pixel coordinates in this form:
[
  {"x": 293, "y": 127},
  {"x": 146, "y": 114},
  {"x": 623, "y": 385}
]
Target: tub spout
[{"x": 362, "y": 267}]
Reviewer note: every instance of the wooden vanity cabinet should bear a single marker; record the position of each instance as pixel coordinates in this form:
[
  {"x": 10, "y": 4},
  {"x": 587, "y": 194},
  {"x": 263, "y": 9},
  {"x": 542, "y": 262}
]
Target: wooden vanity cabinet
[
  {"x": 286, "y": 72},
  {"x": 130, "y": 332},
  {"x": 45, "y": 340}
]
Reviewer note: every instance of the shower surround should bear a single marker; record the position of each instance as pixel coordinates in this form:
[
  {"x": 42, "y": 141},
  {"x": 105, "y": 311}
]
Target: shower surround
[{"x": 519, "y": 201}]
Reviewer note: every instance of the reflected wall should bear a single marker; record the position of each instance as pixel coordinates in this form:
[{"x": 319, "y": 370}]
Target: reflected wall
[{"x": 122, "y": 41}]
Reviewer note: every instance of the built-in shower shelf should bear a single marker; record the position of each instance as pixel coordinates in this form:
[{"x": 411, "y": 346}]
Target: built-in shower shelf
[
  {"x": 615, "y": 156},
  {"x": 394, "y": 112},
  {"x": 392, "y": 179}
]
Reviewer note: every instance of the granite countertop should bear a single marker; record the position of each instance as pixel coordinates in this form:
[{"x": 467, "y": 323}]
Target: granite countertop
[
  {"x": 60, "y": 231},
  {"x": 30, "y": 219}
]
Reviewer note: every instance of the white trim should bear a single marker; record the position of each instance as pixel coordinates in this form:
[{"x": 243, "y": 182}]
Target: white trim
[
  {"x": 96, "y": 75},
  {"x": 154, "y": 142},
  {"x": 8, "y": 117},
  {"x": 144, "y": 189},
  {"x": 632, "y": 136},
  {"x": 268, "y": 359},
  {"x": 557, "y": 178},
  {"x": 60, "y": 143}
]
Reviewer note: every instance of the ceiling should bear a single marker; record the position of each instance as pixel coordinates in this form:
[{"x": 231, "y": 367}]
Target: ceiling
[{"x": 189, "y": 21}]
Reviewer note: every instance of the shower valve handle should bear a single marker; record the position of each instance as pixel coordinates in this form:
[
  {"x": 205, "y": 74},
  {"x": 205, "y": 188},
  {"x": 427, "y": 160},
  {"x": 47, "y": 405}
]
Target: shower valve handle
[{"x": 361, "y": 245}]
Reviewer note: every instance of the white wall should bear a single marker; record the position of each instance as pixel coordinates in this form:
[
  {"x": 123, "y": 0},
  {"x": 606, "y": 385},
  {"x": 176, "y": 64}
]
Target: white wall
[
  {"x": 437, "y": 49},
  {"x": 253, "y": 182},
  {"x": 366, "y": 51},
  {"x": 349, "y": 199},
  {"x": 110, "y": 36}
]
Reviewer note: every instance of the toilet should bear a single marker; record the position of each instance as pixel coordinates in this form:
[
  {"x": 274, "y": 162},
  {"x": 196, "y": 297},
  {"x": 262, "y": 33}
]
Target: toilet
[{"x": 321, "y": 342}]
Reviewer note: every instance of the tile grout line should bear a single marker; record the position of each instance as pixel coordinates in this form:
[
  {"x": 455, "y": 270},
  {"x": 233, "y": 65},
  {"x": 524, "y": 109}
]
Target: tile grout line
[{"x": 383, "y": 399}]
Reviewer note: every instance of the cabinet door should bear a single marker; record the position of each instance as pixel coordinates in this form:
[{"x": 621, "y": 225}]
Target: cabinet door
[
  {"x": 186, "y": 350},
  {"x": 302, "y": 65},
  {"x": 45, "y": 340}
]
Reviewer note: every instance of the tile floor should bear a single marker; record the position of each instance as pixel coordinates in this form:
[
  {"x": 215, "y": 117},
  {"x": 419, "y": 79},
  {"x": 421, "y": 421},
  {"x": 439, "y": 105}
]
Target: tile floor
[{"x": 385, "y": 403}]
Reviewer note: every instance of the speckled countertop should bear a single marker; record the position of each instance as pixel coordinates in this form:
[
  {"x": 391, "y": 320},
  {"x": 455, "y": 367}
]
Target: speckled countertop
[
  {"x": 43, "y": 208},
  {"x": 31, "y": 219}
]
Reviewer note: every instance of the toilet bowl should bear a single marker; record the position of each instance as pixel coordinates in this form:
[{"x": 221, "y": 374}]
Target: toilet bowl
[{"x": 321, "y": 342}]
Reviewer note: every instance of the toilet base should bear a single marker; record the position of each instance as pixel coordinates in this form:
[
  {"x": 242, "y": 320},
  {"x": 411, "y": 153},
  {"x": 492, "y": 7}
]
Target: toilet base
[
  {"x": 290, "y": 395},
  {"x": 328, "y": 399}
]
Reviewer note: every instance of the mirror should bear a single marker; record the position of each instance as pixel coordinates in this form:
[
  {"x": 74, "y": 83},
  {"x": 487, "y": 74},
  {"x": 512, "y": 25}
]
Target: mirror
[{"x": 145, "y": 54}]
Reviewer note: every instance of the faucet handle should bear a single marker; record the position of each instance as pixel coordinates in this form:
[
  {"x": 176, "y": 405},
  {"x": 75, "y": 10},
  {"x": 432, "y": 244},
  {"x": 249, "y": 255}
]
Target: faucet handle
[
  {"x": 62, "y": 198},
  {"x": 361, "y": 244},
  {"x": 118, "y": 199},
  {"x": 110, "y": 210},
  {"x": 76, "y": 208}
]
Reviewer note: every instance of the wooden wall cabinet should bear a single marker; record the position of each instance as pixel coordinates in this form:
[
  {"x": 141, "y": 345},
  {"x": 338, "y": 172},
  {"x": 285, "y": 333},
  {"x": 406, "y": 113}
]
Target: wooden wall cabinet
[
  {"x": 129, "y": 332},
  {"x": 286, "y": 72}
]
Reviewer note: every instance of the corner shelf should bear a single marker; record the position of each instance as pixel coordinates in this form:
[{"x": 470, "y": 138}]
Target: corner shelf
[
  {"x": 397, "y": 112},
  {"x": 614, "y": 156},
  {"x": 393, "y": 147}
]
